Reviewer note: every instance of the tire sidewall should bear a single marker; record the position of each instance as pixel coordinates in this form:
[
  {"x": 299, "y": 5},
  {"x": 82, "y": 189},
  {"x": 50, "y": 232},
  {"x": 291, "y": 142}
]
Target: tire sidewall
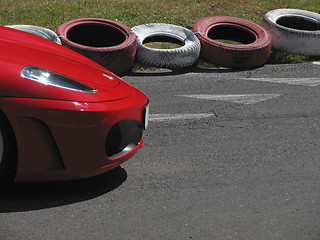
[
  {"x": 63, "y": 30},
  {"x": 292, "y": 40},
  {"x": 250, "y": 55},
  {"x": 118, "y": 58},
  {"x": 203, "y": 26},
  {"x": 39, "y": 31},
  {"x": 175, "y": 58}
]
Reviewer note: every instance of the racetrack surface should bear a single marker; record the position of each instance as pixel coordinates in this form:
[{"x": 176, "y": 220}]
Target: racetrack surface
[{"x": 227, "y": 155}]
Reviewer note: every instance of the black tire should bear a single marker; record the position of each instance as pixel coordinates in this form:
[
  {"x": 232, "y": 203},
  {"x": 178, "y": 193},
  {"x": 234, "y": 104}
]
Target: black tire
[
  {"x": 8, "y": 152},
  {"x": 294, "y": 31},
  {"x": 39, "y": 31},
  {"x": 176, "y": 58}
]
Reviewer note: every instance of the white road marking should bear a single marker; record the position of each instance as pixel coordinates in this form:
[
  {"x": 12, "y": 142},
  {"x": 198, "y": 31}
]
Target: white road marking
[
  {"x": 310, "y": 82},
  {"x": 236, "y": 98},
  {"x": 178, "y": 117}
]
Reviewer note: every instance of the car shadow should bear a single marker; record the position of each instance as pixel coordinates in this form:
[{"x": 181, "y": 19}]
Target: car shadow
[{"x": 20, "y": 197}]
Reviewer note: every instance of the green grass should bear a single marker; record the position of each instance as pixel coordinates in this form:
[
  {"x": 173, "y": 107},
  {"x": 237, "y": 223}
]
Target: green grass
[
  {"x": 51, "y": 14},
  {"x": 162, "y": 45}
]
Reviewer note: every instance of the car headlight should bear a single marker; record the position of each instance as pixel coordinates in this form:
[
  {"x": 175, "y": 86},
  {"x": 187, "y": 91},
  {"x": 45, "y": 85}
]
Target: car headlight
[{"x": 48, "y": 77}]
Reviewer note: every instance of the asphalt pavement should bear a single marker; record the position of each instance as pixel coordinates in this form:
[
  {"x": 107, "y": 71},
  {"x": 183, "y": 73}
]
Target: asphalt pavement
[{"x": 228, "y": 154}]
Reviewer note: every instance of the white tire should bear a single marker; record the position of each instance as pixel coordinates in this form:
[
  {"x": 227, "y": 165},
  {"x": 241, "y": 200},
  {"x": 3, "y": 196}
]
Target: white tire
[
  {"x": 181, "y": 57},
  {"x": 39, "y": 31},
  {"x": 294, "y": 31}
]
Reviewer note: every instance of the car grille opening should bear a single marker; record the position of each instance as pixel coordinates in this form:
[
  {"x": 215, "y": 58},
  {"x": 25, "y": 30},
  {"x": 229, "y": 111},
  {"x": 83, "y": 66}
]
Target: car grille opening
[{"x": 122, "y": 138}]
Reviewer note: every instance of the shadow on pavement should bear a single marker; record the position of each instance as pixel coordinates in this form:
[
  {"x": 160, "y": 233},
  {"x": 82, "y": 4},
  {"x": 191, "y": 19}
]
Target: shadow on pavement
[
  {"x": 20, "y": 197},
  {"x": 167, "y": 72}
]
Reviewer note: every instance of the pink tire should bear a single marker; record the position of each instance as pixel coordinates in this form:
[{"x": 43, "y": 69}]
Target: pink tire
[
  {"x": 253, "y": 50},
  {"x": 109, "y": 43}
]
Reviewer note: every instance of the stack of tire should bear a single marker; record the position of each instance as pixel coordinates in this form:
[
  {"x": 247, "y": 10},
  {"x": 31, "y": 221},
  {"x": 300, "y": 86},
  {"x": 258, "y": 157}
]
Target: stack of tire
[
  {"x": 290, "y": 30},
  {"x": 203, "y": 41},
  {"x": 117, "y": 47}
]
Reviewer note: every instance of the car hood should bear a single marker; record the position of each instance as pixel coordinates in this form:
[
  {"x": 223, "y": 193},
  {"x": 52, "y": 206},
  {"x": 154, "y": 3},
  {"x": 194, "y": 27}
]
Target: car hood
[{"x": 20, "y": 49}]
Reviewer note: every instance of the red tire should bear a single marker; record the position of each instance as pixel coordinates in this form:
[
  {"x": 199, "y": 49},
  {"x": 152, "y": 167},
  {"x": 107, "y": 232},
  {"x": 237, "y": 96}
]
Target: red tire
[
  {"x": 253, "y": 51},
  {"x": 109, "y": 43}
]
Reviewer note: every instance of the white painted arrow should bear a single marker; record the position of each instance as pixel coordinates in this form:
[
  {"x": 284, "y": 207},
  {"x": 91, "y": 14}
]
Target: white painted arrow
[
  {"x": 177, "y": 117},
  {"x": 236, "y": 98},
  {"x": 310, "y": 82}
]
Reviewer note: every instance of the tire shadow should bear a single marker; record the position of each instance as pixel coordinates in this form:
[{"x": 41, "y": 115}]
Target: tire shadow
[
  {"x": 19, "y": 197},
  {"x": 168, "y": 72}
]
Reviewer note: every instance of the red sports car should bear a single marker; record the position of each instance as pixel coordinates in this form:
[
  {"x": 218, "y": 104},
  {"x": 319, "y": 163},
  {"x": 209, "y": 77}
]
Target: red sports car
[{"x": 62, "y": 116}]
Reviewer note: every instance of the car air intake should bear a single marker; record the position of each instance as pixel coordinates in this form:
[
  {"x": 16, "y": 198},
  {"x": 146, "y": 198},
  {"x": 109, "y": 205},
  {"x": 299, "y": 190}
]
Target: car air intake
[{"x": 122, "y": 138}]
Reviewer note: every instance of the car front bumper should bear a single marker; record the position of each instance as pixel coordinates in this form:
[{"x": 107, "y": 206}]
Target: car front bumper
[{"x": 60, "y": 140}]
